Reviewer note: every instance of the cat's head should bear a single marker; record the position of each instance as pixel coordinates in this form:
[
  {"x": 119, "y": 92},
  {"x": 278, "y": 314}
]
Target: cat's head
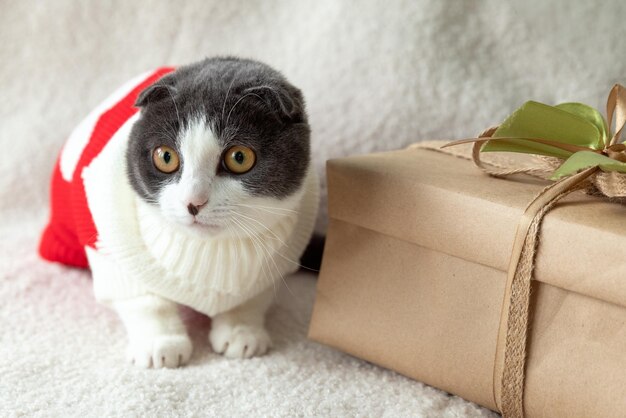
[{"x": 220, "y": 146}]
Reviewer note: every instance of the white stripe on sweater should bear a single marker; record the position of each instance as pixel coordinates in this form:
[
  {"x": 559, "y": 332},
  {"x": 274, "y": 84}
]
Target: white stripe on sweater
[{"x": 79, "y": 138}]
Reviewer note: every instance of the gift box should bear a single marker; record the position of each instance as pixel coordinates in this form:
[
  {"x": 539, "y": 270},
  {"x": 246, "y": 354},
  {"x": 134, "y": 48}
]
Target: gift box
[{"x": 414, "y": 276}]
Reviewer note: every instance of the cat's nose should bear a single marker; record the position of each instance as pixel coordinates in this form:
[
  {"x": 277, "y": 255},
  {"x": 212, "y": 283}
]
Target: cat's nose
[{"x": 195, "y": 208}]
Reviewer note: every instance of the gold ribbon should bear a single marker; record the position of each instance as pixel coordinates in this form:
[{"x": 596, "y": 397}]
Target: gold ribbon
[
  {"x": 509, "y": 364},
  {"x": 509, "y": 368}
]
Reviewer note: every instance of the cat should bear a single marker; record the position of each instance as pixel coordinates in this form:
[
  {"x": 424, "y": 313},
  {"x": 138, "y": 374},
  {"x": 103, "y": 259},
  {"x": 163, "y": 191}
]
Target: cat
[{"x": 191, "y": 186}]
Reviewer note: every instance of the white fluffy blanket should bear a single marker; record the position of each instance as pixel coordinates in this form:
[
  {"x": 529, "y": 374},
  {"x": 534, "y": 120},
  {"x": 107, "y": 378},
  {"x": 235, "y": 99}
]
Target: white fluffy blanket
[
  {"x": 61, "y": 355},
  {"x": 376, "y": 74}
]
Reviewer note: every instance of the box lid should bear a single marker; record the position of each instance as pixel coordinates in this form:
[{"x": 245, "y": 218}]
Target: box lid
[{"x": 447, "y": 204}]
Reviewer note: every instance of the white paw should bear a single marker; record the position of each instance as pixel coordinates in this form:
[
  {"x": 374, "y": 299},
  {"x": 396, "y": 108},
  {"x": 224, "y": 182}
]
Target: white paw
[
  {"x": 160, "y": 351},
  {"x": 240, "y": 340}
]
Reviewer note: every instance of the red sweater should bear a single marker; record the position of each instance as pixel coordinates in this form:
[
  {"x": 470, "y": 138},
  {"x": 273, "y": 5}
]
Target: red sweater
[{"x": 71, "y": 226}]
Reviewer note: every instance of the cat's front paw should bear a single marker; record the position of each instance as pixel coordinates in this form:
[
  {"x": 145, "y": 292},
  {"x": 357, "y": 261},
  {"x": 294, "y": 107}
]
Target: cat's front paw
[
  {"x": 239, "y": 340},
  {"x": 160, "y": 351}
]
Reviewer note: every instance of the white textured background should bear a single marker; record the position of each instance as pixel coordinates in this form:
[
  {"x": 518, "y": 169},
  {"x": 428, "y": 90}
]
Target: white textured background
[{"x": 376, "y": 75}]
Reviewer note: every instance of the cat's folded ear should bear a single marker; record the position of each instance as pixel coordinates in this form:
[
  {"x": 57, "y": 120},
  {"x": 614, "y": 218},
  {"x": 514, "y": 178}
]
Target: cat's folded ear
[
  {"x": 284, "y": 100},
  {"x": 162, "y": 89}
]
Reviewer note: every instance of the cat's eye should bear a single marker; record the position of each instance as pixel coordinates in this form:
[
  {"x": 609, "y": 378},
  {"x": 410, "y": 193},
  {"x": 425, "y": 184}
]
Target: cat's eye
[
  {"x": 165, "y": 159},
  {"x": 239, "y": 159}
]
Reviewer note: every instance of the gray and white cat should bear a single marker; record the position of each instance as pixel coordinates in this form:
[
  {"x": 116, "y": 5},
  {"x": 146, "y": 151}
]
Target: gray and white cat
[{"x": 211, "y": 201}]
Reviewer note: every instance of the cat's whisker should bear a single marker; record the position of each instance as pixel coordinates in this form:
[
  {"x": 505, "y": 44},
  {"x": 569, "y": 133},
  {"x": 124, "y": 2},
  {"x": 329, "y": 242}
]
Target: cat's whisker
[
  {"x": 173, "y": 101},
  {"x": 267, "y": 258},
  {"x": 255, "y": 237},
  {"x": 288, "y": 259},
  {"x": 230, "y": 231},
  {"x": 277, "y": 252},
  {"x": 295, "y": 262},
  {"x": 231, "y": 134},
  {"x": 238, "y": 101},
  {"x": 266, "y": 207},
  {"x": 280, "y": 98},
  {"x": 227, "y": 93},
  {"x": 261, "y": 224},
  {"x": 256, "y": 249},
  {"x": 262, "y": 210},
  {"x": 250, "y": 234},
  {"x": 168, "y": 128},
  {"x": 265, "y": 211},
  {"x": 265, "y": 275}
]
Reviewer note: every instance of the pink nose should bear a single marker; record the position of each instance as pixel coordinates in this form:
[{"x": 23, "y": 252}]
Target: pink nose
[{"x": 194, "y": 208}]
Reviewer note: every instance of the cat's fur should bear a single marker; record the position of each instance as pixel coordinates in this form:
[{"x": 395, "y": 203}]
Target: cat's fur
[{"x": 201, "y": 110}]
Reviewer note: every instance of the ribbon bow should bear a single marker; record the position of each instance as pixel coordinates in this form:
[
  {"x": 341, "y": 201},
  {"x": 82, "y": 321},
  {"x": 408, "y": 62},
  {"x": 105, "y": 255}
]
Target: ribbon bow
[{"x": 580, "y": 154}]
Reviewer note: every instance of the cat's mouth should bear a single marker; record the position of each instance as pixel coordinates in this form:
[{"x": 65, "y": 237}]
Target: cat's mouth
[{"x": 198, "y": 225}]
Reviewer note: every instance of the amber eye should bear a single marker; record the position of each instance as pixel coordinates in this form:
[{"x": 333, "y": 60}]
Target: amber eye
[
  {"x": 165, "y": 159},
  {"x": 239, "y": 159}
]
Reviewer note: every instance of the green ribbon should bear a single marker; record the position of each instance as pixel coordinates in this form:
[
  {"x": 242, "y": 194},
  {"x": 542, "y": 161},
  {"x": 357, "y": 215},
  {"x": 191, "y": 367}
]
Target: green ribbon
[{"x": 573, "y": 132}]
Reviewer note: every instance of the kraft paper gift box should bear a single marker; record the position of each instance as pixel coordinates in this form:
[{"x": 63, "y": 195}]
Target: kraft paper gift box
[{"x": 415, "y": 271}]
